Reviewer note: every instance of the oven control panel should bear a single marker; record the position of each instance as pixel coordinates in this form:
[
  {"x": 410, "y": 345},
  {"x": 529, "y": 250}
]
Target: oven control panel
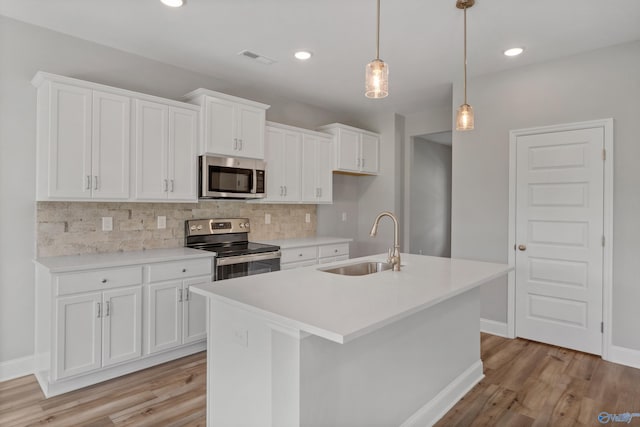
[{"x": 203, "y": 227}]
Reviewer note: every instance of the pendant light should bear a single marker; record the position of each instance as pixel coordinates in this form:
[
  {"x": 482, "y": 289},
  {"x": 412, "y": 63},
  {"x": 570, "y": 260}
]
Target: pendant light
[
  {"x": 377, "y": 75},
  {"x": 464, "y": 116}
]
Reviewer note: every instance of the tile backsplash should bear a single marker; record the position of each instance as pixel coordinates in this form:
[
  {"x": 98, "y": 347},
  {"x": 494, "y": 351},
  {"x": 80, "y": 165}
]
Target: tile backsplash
[{"x": 73, "y": 228}]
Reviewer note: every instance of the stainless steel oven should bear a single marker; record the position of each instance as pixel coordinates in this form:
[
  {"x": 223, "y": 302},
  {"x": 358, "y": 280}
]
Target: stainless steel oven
[
  {"x": 235, "y": 255},
  {"x": 231, "y": 178}
]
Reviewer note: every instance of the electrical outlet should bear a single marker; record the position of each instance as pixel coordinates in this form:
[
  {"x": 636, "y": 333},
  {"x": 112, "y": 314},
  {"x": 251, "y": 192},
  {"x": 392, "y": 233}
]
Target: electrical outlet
[
  {"x": 267, "y": 218},
  {"x": 344, "y": 216},
  {"x": 107, "y": 223},
  {"x": 162, "y": 222},
  {"x": 307, "y": 217}
]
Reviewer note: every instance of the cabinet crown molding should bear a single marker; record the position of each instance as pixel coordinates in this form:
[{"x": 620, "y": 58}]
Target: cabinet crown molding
[{"x": 196, "y": 95}]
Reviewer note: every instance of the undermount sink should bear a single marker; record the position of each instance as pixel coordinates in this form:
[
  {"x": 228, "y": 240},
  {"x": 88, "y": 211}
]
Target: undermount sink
[{"x": 359, "y": 269}]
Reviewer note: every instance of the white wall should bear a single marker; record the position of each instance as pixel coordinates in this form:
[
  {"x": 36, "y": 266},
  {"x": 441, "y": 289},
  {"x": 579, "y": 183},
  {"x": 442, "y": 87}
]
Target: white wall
[
  {"x": 25, "y": 49},
  {"x": 430, "y": 226},
  {"x": 594, "y": 85}
]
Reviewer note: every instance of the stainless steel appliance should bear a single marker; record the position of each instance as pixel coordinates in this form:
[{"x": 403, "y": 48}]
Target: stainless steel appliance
[
  {"x": 236, "y": 256},
  {"x": 231, "y": 178}
]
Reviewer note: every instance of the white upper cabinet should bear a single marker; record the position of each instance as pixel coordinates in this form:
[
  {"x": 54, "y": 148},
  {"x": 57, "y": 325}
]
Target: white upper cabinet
[
  {"x": 299, "y": 165},
  {"x": 356, "y": 150},
  {"x": 317, "y": 162},
  {"x": 84, "y": 133},
  {"x": 230, "y": 126},
  {"x": 282, "y": 155},
  {"x": 165, "y": 141},
  {"x": 83, "y": 142}
]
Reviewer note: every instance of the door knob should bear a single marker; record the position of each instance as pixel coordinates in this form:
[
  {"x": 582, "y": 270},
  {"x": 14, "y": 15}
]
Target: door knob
[{"x": 522, "y": 247}]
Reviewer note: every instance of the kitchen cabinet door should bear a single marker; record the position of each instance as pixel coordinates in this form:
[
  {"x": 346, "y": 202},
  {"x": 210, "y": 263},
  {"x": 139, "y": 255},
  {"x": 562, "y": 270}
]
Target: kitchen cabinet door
[
  {"x": 110, "y": 144},
  {"x": 324, "y": 161},
  {"x": 164, "y": 316},
  {"x": 291, "y": 167},
  {"x": 78, "y": 335},
  {"x": 195, "y": 311},
  {"x": 317, "y": 178},
  {"x": 151, "y": 150},
  {"x": 369, "y": 153},
  {"x": 68, "y": 141},
  {"x": 348, "y": 150},
  {"x": 220, "y": 127},
  {"x": 182, "y": 158},
  {"x": 250, "y": 132},
  {"x": 122, "y": 325},
  {"x": 282, "y": 155}
]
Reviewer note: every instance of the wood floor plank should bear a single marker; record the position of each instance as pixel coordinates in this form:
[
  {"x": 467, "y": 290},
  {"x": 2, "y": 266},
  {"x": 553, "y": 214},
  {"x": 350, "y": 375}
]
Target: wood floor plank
[{"x": 526, "y": 384}]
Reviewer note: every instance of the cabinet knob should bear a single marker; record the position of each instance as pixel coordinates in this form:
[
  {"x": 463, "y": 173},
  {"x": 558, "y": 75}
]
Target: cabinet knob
[
  {"x": 335, "y": 251},
  {"x": 104, "y": 280},
  {"x": 299, "y": 254},
  {"x": 522, "y": 247},
  {"x": 184, "y": 270}
]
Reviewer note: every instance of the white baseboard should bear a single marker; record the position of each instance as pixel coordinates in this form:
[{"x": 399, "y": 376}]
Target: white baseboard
[
  {"x": 624, "y": 356},
  {"x": 16, "y": 368},
  {"x": 437, "y": 407},
  {"x": 494, "y": 328}
]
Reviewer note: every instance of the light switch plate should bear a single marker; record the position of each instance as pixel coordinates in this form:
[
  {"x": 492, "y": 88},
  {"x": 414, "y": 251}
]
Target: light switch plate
[
  {"x": 107, "y": 223},
  {"x": 162, "y": 222},
  {"x": 267, "y": 218}
]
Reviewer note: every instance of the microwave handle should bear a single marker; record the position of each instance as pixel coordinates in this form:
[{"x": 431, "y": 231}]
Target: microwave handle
[{"x": 254, "y": 181}]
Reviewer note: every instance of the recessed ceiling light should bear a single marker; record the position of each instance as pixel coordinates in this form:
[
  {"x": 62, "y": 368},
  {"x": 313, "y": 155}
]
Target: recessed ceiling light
[
  {"x": 173, "y": 3},
  {"x": 302, "y": 55},
  {"x": 515, "y": 51}
]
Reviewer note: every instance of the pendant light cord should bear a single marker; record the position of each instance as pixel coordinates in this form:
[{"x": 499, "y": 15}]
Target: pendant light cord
[
  {"x": 378, "y": 33},
  {"x": 465, "y": 53}
]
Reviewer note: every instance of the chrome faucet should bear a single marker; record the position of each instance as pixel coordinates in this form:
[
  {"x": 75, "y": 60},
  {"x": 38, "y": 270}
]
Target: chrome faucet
[{"x": 394, "y": 254}]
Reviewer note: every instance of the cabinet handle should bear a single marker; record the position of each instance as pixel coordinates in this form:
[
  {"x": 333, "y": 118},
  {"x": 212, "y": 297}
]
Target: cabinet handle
[
  {"x": 363, "y": 159},
  {"x": 108, "y": 309},
  {"x": 165, "y": 185},
  {"x": 358, "y": 162},
  {"x": 99, "y": 309},
  {"x": 186, "y": 294},
  {"x": 281, "y": 190},
  {"x": 95, "y": 182},
  {"x": 240, "y": 144},
  {"x": 285, "y": 190},
  {"x": 88, "y": 187},
  {"x": 180, "y": 295},
  {"x": 235, "y": 143},
  {"x": 172, "y": 186}
]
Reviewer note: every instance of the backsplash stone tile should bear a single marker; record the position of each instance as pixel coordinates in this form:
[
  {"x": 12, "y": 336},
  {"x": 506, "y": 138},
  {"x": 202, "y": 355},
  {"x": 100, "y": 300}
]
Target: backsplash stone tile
[{"x": 74, "y": 228}]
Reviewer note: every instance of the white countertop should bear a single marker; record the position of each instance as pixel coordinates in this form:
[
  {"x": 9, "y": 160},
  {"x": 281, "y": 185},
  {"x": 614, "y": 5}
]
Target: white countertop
[
  {"x": 306, "y": 241},
  {"x": 342, "y": 308},
  {"x": 61, "y": 264}
]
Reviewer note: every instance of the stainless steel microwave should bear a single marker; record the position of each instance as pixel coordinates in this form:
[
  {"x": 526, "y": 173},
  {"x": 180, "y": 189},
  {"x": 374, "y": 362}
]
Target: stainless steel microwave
[{"x": 231, "y": 178}]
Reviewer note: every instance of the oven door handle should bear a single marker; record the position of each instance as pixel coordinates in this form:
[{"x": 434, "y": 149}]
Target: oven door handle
[{"x": 247, "y": 258}]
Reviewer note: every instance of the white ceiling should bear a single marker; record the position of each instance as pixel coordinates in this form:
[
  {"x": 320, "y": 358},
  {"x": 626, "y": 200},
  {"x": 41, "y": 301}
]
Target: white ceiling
[{"x": 421, "y": 40}]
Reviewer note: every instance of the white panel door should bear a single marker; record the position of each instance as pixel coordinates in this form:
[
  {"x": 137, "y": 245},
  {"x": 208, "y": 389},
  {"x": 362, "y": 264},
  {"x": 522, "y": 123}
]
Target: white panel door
[
  {"x": 78, "y": 335},
  {"x": 348, "y": 150},
  {"x": 194, "y": 326},
  {"x": 122, "y": 325},
  {"x": 324, "y": 155},
  {"x": 250, "y": 133},
  {"x": 559, "y": 232},
  {"x": 291, "y": 166},
  {"x": 110, "y": 146},
  {"x": 220, "y": 127},
  {"x": 164, "y": 321},
  {"x": 151, "y": 150},
  {"x": 369, "y": 153},
  {"x": 182, "y": 159},
  {"x": 70, "y": 142}
]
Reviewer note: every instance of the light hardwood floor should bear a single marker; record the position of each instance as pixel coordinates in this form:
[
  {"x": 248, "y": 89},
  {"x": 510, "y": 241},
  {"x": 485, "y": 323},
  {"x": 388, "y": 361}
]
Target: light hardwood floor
[{"x": 526, "y": 384}]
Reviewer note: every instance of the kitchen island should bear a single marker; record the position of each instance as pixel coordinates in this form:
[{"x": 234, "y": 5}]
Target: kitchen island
[{"x": 306, "y": 347}]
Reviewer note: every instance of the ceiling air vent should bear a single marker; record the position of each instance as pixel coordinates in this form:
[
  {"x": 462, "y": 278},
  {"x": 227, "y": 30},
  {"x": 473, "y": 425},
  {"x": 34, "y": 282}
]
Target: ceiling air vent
[{"x": 256, "y": 57}]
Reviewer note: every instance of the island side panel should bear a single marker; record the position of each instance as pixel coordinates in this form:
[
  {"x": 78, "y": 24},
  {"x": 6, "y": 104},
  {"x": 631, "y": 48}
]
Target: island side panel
[{"x": 398, "y": 374}]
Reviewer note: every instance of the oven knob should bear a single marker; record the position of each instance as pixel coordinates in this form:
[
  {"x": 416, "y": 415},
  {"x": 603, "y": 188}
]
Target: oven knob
[
  {"x": 241, "y": 225},
  {"x": 193, "y": 227},
  {"x": 199, "y": 227},
  {"x": 246, "y": 224}
]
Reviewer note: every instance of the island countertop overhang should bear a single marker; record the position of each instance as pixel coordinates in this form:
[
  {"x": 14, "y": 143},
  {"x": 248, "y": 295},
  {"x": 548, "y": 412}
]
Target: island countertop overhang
[{"x": 343, "y": 308}]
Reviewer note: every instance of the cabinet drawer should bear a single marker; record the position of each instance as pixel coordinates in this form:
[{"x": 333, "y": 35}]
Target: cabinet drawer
[
  {"x": 292, "y": 265},
  {"x": 298, "y": 254},
  {"x": 179, "y": 269},
  {"x": 98, "y": 279},
  {"x": 327, "y": 260},
  {"x": 333, "y": 250}
]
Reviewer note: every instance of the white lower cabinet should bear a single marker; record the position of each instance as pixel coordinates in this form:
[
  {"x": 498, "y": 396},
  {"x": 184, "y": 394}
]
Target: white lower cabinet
[
  {"x": 100, "y": 323},
  {"x": 304, "y": 256},
  {"x": 175, "y": 316}
]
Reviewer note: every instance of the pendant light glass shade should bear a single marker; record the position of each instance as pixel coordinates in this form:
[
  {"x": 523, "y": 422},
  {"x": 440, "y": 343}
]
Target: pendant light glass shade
[
  {"x": 377, "y": 74},
  {"x": 377, "y": 79},
  {"x": 464, "y": 117}
]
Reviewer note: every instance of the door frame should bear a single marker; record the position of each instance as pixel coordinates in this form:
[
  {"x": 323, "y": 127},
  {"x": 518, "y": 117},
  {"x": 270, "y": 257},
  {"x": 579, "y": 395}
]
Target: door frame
[{"x": 607, "y": 262}]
